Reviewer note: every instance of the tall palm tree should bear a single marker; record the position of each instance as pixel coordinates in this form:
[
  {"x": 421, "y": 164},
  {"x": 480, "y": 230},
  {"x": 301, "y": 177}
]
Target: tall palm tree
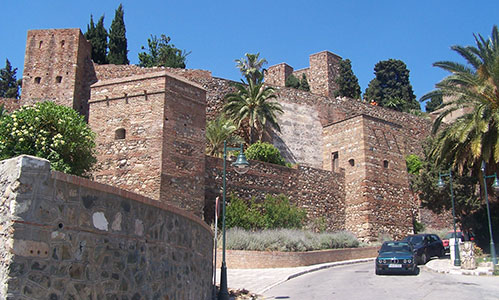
[
  {"x": 251, "y": 107},
  {"x": 474, "y": 136},
  {"x": 251, "y": 67},
  {"x": 217, "y": 131}
]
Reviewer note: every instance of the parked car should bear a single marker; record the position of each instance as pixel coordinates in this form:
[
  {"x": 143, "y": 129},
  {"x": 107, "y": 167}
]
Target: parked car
[
  {"x": 426, "y": 246},
  {"x": 450, "y": 235},
  {"x": 395, "y": 257}
]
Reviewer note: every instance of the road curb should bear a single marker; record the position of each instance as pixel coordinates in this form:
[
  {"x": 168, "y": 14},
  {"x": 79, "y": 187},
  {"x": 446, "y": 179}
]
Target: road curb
[{"x": 316, "y": 268}]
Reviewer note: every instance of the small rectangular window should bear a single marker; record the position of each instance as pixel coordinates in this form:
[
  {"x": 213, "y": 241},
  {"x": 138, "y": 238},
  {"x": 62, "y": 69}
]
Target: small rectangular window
[
  {"x": 58, "y": 79},
  {"x": 335, "y": 162}
]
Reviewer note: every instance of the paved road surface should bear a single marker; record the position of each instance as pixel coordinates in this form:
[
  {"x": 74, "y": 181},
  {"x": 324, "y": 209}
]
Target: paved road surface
[{"x": 359, "y": 282}]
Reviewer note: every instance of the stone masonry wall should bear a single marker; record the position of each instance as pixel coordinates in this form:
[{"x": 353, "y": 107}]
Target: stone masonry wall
[
  {"x": 54, "y": 67},
  {"x": 65, "y": 237},
  {"x": 320, "y": 192},
  {"x": 10, "y": 104},
  {"x": 277, "y": 74},
  {"x": 136, "y": 106},
  {"x": 161, "y": 154}
]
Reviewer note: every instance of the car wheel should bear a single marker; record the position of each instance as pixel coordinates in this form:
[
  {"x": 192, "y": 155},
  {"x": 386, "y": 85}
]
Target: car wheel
[
  {"x": 442, "y": 253},
  {"x": 423, "y": 258}
]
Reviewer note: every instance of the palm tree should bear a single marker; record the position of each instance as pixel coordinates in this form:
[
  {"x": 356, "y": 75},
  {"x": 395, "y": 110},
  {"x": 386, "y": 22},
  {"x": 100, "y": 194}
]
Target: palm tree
[
  {"x": 251, "y": 106},
  {"x": 474, "y": 136},
  {"x": 219, "y": 130},
  {"x": 251, "y": 67}
]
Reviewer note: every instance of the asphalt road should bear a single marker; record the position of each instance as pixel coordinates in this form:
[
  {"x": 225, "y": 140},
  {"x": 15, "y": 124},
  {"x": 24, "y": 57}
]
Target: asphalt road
[{"x": 358, "y": 281}]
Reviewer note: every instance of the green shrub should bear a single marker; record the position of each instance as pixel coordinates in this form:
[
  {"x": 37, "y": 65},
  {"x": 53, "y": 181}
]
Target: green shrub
[
  {"x": 54, "y": 132},
  {"x": 265, "y": 152},
  {"x": 414, "y": 164},
  {"x": 239, "y": 214},
  {"x": 288, "y": 240},
  {"x": 417, "y": 226},
  {"x": 274, "y": 212},
  {"x": 292, "y": 81},
  {"x": 279, "y": 213}
]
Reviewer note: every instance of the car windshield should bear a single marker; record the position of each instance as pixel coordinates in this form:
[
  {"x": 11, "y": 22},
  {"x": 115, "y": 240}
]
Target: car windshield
[
  {"x": 416, "y": 239},
  {"x": 395, "y": 247}
]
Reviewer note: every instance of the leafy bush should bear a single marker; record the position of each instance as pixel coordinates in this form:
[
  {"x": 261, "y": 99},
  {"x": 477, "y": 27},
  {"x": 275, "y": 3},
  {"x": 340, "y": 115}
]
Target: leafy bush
[
  {"x": 292, "y": 81},
  {"x": 279, "y": 213},
  {"x": 274, "y": 212},
  {"x": 417, "y": 226},
  {"x": 239, "y": 214},
  {"x": 47, "y": 130},
  {"x": 288, "y": 240},
  {"x": 414, "y": 164},
  {"x": 265, "y": 152}
]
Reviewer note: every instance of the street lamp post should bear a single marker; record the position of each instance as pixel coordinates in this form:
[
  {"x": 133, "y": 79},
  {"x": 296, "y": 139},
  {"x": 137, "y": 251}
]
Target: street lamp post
[
  {"x": 441, "y": 184},
  {"x": 495, "y": 186},
  {"x": 241, "y": 166}
]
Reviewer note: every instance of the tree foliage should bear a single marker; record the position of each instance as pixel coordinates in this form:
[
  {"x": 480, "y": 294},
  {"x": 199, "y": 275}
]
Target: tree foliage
[
  {"x": 251, "y": 67},
  {"x": 348, "y": 84},
  {"x": 219, "y": 130},
  {"x": 391, "y": 87},
  {"x": 424, "y": 183},
  {"x": 434, "y": 103},
  {"x": 265, "y": 152},
  {"x": 97, "y": 36},
  {"x": 9, "y": 85},
  {"x": 300, "y": 84},
  {"x": 252, "y": 107},
  {"x": 54, "y": 132},
  {"x": 161, "y": 53},
  {"x": 118, "y": 49},
  {"x": 473, "y": 137}
]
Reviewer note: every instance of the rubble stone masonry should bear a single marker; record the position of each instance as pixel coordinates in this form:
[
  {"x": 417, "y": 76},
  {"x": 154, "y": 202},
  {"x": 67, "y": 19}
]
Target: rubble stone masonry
[{"x": 66, "y": 237}]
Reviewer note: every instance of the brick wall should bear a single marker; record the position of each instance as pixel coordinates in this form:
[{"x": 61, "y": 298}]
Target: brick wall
[
  {"x": 54, "y": 67},
  {"x": 320, "y": 192},
  {"x": 10, "y": 104},
  {"x": 162, "y": 153},
  {"x": 238, "y": 259},
  {"x": 277, "y": 74},
  {"x": 65, "y": 237}
]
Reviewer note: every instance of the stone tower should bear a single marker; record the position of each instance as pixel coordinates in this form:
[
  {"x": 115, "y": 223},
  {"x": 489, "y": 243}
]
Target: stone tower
[
  {"x": 371, "y": 152},
  {"x": 58, "y": 67},
  {"x": 151, "y": 137},
  {"x": 321, "y": 74}
]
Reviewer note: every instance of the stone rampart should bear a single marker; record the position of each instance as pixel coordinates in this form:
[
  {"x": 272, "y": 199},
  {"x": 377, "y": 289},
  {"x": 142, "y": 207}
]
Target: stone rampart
[
  {"x": 239, "y": 259},
  {"x": 65, "y": 237},
  {"x": 320, "y": 192},
  {"x": 10, "y": 104}
]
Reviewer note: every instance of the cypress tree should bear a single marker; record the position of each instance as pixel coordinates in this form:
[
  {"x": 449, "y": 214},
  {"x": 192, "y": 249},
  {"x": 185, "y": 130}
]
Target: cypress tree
[
  {"x": 391, "y": 86},
  {"x": 117, "y": 40},
  {"x": 9, "y": 85},
  {"x": 304, "y": 83},
  {"x": 97, "y": 36},
  {"x": 348, "y": 84}
]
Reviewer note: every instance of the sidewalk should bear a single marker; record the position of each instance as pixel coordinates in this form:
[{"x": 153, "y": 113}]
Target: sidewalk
[{"x": 444, "y": 265}]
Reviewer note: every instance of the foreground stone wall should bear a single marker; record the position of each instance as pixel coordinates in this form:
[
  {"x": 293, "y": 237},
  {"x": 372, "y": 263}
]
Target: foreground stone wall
[
  {"x": 319, "y": 192},
  {"x": 65, "y": 237}
]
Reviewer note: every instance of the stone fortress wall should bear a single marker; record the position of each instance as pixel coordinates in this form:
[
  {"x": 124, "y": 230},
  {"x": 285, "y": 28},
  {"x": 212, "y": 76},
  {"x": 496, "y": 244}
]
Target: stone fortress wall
[
  {"x": 159, "y": 152},
  {"x": 65, "y": 237}
]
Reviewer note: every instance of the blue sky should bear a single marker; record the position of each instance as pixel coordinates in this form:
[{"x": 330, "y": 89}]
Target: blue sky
[{"x": 218, "y": 32}]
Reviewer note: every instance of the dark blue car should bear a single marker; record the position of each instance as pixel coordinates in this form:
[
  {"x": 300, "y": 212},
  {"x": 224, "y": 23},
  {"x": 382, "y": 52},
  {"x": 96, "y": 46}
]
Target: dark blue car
[
  {"x": 426, "y": 246},
  {"x": 396, "y": 257}
]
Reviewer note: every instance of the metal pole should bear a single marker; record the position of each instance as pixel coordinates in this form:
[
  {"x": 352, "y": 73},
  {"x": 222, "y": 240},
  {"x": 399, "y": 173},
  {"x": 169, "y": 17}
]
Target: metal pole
[
  {"x": 457, "y": 258},
  {"x": 223, "y": 294},
  {"x": 492, "y": 246},
  {"x": 214, "y": 296}
]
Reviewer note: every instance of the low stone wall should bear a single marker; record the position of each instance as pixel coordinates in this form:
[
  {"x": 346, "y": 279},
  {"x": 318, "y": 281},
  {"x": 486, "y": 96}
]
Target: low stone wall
[
  {"x": 238, "y": 259},
  {"x": 66, "y": 237}
]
